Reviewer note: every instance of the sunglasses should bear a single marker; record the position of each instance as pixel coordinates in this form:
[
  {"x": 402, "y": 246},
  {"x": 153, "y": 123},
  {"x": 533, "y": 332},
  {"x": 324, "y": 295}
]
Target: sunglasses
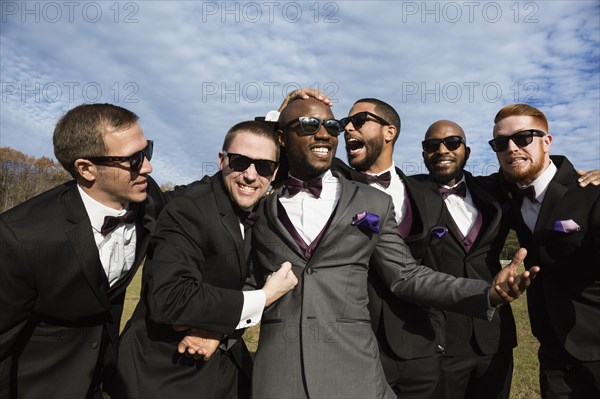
[
  {"x": 521, "y": 139},
  {"x": 240, "y": 163},
  {"x": 136, "y": 160},
  {"x": 311, "y": 125},
  {"x": 360, "y": 118},
  {"x": 451, "y": 142}
]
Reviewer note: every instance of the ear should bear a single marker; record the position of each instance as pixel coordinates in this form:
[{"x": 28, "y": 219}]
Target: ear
[
  {"x": 390, "y": 133},
  {"x": 280, "y": 138},
  {"x": 547, "y": 140},
  {"x": 86, "y": 169},
  {"x": 221, "y": 160},
  {"x": 467, "y": 153}
]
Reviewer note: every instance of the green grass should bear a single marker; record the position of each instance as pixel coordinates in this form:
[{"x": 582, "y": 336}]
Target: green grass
[{"x": 525, "y": 375}]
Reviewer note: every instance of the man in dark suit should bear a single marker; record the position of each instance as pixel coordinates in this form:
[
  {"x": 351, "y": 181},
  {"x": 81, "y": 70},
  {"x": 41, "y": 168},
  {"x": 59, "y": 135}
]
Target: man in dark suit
[
  {"x": 318, "y": 341},
  {"x": 467, "y": 242},
  {"x": 405, "y": 331},
  {"x": 193, "y": 278},
  {"x": 67, "y": 256},
  {"x": 559, "y": 223}
]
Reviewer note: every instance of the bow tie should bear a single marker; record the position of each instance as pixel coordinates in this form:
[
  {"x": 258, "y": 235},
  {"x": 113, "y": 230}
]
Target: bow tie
[
  {"x": 384, "y": 179},
  {"x": 460, "y": 190},
  {"x": 112, "y": 222},
  {"x": 528, "y": 192},
  {"x": 294, "y": 186},
  {"x": 247, "y": 218}
]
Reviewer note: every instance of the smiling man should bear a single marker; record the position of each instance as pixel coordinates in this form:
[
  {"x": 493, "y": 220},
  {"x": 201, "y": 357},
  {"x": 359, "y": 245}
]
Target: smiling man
[
  {"x": 559, "y": 223},
  {"x": 193, "y": 280},
  {"x": 67, "y": 256},
  {"x": 318, "y": 341}
]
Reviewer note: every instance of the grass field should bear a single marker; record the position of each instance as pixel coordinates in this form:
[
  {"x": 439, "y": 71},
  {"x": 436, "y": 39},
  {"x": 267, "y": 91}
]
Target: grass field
[{"x": 525, "y": 375}]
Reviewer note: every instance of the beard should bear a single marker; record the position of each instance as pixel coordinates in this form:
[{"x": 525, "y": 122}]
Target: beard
[
  {"x": 446, "y": 176},
  {"x": 373, "y": 149},
  {"x": 524, "y": 175}
]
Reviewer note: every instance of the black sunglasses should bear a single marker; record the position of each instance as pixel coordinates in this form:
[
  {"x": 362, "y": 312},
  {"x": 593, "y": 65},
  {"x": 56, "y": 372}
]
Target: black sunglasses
[
  {"x": 136, "y": 160},
  {"x": 521, "y": 139},
  {"x": 360, "y": 118},
  {"x": 451, "y": 142},
  {"x": 311, "y": 125},
  {"x": 240, "y": 163}
]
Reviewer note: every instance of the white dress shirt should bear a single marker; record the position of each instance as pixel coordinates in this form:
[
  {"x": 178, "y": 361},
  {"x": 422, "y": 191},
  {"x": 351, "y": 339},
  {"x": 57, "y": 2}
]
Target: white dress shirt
[
  {"x": 462, "y": 210},
  {"x": 531, "y": 210},
  {"x": 117, "y": 249},
  {"x": 396, "y": 190}
]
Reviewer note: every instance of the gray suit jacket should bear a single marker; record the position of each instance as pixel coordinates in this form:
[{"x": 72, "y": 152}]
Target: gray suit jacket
[{"x": 317, "y": 340}]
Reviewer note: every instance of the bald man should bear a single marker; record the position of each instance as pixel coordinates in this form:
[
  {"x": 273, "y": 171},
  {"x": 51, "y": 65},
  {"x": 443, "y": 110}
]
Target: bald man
[{"x": 477, "y": 362}]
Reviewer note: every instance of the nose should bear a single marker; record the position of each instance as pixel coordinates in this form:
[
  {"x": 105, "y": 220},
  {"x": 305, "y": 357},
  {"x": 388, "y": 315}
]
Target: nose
[
  {"x": 511, "y": 146},
  {"x": 250, "y": 174},
  {"x": 442, "y": 149},
  {"x": 146, "y": 166},
  {"x": 322, "y": 133}
]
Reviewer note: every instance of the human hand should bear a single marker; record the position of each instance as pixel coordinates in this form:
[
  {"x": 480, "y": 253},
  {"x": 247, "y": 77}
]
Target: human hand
[
  {"x": 279, "y": 283},
  {"x": 305, "y": 94},
  {"x": 198, "y": 343},
  {"x": 591, "y": 177},
  {"x": 508, "y": 285}
]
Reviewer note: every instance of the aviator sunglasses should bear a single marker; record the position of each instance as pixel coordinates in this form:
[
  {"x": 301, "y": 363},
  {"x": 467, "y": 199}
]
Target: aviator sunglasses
[
  {"x": 311, "y": 125},
  {"x": 136, "y": 160},
  {"x": 451, "y": 142},
  {"x": 360, "y": 118},
  {"x": 240, "y": 163},
  {"x": 521, "y": 139}
]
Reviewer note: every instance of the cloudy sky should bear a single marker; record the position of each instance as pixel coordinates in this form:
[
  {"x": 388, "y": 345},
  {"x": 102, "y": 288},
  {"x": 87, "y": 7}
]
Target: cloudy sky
[{"x": 192, "y": 69}]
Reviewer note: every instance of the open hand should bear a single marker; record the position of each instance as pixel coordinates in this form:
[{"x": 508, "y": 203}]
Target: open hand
[
  {"x": 508, "y": 285},
  {"x": 198, "y": 343}
]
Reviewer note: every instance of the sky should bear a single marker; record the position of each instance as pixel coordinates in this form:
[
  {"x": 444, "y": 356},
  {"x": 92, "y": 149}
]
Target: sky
[{"x": 193, "y": 69}]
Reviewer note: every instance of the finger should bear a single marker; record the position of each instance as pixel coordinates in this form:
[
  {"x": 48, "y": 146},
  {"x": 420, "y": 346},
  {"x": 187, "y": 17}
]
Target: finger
[
  {"x": 518, "y": 258},
  {"x": 181, "y": 347},
  {"x": 503, "y": 294},
  {"x": 285, "y": 267}
]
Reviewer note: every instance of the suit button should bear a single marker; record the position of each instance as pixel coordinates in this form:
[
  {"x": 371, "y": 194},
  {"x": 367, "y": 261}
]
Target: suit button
[
  {"x": 94, "y": 345},
  {"x": 309, "y": 270}
]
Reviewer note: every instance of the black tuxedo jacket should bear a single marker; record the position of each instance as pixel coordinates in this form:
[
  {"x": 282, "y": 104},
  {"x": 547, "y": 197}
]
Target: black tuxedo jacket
[
  {"x": 59, "y": 321},
  {"x": 408, "y": 329},
  {"x": 194, "y": 274},
  {"x": 447, "y": 254},
  {"x": 564, "y": 299}
]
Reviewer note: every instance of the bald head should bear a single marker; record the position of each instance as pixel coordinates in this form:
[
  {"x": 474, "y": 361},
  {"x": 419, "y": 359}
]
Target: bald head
[{"x": 444, "y": 128}]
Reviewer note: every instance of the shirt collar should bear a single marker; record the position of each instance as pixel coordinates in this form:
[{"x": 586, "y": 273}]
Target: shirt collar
[
  {"x": 541, "y": 183},
  {"x": 97, "y": 211}
]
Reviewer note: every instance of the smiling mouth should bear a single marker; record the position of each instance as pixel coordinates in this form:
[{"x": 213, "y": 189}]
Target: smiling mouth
[
  {"x": 517, "y": 161},
  {"x": 246, "y": 188},
  {"x": 354, "y": 145},
  {"x": 321, "y": 151}
]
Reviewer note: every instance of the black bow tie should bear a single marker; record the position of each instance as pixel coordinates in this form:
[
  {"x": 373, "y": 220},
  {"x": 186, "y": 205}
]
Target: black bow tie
[
  {"x": 294, "y": 186},
  {"x": 384, "y": 179},
  {"x": 460, "y": 190},
  {"x": 112, "y": 222},
  {"x": 528, "y": 192},
  {"x": 248, "y": 218}
]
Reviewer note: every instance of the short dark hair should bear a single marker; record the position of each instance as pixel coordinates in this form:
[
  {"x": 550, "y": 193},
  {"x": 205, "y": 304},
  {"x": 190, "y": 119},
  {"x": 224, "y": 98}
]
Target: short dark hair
[
  {"x": 80, "y": 132},
  {"x": 386, "y": 111},
  {"x": 257, "y": 128}
]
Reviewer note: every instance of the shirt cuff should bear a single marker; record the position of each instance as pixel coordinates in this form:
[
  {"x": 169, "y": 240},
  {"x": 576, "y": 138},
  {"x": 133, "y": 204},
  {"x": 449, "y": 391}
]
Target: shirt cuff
[
  {"x": 254, "y": 304},
  {"x": 490, "y": 309}
]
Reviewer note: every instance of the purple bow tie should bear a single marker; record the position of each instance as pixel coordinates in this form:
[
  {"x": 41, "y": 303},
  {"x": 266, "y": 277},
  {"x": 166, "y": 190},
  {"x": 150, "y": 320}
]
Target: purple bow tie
[
  {"x": 528, "y": 192},
  {"x": 112, "y": 222},
  {"x": 294, "y": 186},
  {"x": 460, "y": 190},
  {"x": 384, "y": 179}
]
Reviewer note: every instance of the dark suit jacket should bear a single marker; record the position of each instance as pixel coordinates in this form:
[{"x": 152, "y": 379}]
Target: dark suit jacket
[
  {"x": 407, "y": 328},
  {"x": 60, "y": 321},
  {"x": 317, "y": 339},
  {"x": 194, "y": 274},
  {"x": 564, "y": 299},
  {"x": 447, "y": 254}
]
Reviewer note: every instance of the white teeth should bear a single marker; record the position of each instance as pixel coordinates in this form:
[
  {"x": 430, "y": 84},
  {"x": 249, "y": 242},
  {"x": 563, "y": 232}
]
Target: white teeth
[
  {"x": 246, "y": 188},
  {"x": 320, "y": 150}
]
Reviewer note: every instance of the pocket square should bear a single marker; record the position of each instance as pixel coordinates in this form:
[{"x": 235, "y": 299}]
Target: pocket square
[
  {"x": 566, "y": 226},
  {"x": 439, "y": 231},
  {"x": 366, "y": 221}
]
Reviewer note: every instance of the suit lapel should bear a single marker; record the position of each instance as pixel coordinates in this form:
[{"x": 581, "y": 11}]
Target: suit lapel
[
  {"x": 278, "y": 227},
  {"x": 347, "y": 194},
  {"x": 489, "y": 209},
  {"x": 82, "y": 241}
]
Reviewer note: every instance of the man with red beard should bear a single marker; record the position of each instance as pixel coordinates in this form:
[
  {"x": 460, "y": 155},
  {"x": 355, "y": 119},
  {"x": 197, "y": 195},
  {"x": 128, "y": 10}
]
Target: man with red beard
[
  {"x": 559, "y": 223},
  {"x": 478, "y": 361}
]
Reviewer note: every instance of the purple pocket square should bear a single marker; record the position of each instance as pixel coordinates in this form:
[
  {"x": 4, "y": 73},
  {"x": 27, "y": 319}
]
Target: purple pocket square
[
  {"x": 366, "y": 221},
  {"x": 566, "y": 226},
  {"x": 439, "y": 231}
]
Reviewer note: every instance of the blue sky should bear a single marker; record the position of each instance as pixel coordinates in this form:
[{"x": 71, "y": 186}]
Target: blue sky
[{"x": 192, "y": 69}]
